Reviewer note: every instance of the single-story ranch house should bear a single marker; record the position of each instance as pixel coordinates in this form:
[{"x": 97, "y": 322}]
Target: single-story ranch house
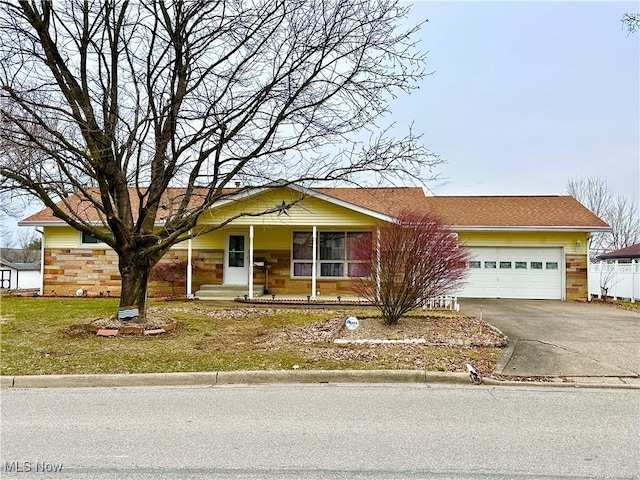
[{"x": 521, "y": 246}]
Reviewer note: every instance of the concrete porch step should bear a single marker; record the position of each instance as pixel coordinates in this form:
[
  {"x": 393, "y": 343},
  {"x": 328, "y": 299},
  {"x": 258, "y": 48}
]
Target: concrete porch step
[{"x": 226, "y": 292}]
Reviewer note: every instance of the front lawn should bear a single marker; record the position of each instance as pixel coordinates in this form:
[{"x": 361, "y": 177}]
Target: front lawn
[{"x": 46, "y": 336}]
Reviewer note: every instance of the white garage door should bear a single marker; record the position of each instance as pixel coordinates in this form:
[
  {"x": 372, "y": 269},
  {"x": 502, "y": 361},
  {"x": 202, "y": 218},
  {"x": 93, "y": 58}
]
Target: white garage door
[{"x": 501, "y": 272}]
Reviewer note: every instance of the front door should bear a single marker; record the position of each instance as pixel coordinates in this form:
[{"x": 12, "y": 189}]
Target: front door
[{"x": 236, "y": 263}]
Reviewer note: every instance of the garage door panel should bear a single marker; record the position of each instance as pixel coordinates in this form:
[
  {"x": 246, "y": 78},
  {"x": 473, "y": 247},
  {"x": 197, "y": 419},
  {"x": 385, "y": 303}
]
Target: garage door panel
[{"x": 511, "y": 272}]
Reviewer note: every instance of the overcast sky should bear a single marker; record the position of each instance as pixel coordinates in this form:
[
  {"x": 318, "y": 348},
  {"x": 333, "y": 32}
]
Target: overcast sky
[{"x": 525, "y": 95}]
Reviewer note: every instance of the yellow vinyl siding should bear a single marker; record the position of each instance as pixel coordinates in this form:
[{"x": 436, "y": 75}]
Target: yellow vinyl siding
[
  {"x": 265, "y": 237},
  {"x": 61, "y": 237},
  {"x": 310, "y": 211},
  {"x": 68, "y": 237},
  {"x": 569, "y": 240},
  {"x": 207, "y": 241},
  {"x": 272, "y": 238}
]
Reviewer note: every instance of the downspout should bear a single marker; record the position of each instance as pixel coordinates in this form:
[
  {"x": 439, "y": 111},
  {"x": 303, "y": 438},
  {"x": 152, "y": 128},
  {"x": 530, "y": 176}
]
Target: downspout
[
  {"x": 378, "y": 263},
  {"x": 41, "y": 232},
  {"x": 314, "y": 271},
  {"x": 189, "y": 268},
  {"x": 251, "y": 262}
]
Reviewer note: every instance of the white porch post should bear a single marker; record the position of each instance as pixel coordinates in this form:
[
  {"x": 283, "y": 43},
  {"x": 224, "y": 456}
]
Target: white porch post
[
  {"x": 189, "y": 267},
  {"x": 378, "y": 263},
  {"x": 588, "y": 268},
  {"x": 250, "y": 261},
  {"x": 314, "y": 271}
]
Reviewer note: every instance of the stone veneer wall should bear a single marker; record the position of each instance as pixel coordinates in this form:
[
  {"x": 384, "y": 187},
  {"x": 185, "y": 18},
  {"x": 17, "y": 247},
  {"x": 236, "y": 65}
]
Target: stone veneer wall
[
  {"x": 576, "y": 274},
  {"x": 208, "y": 268},
  {"x": 96, "y": 271},
  {"x": 68, "y": 269}
]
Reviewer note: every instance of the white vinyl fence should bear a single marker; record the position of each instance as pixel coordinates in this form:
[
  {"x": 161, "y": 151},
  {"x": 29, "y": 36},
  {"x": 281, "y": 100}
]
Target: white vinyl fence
[
  {"x": 616, "y": 280},
  {"x": 441, "y": 303}
]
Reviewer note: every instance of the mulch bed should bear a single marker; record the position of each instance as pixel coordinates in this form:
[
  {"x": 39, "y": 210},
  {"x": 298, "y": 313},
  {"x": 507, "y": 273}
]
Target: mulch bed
[{"x": 440, "y": 330}]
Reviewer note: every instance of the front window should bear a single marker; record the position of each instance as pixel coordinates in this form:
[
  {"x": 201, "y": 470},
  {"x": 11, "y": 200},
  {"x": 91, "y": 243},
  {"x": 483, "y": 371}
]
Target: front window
[
  {"x": 336, "y": 256},
  {"x": 302, "y": 251},
  {"x": 87, "y": 238}
]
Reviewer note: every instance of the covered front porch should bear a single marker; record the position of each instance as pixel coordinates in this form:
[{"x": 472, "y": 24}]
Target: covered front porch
[
  {"x": 305, "y": 263},
  {"x": 302, "y": 249}
]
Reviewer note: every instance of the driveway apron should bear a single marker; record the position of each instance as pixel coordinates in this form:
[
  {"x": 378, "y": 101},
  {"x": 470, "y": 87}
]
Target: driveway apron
[{"x": 553, "y": 338}]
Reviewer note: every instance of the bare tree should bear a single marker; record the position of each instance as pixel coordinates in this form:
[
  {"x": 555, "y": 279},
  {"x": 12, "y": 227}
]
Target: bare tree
[
  {"x": 619, "y": 212},
  {"x": 631, "y": 21},
  {"x": 624, "y": 218},
  {"x": 413, "y": 259},
  {"x": 593, "y": 193},
  {"x": 28, "y": 246},
  {"x": 116, "y": 102},
  {"x": 6, "y": 234}
]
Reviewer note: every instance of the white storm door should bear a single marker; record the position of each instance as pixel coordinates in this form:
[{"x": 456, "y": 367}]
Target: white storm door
[{"x": 236, "y": 261}]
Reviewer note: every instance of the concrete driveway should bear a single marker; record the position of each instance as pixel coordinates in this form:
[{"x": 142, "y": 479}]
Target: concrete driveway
[{"x": 552, "y": 338}]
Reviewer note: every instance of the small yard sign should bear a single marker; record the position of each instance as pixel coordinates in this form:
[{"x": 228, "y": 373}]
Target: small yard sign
[
  {"x": 351, "y": 323},
  {"x": 127, "y": 312}
]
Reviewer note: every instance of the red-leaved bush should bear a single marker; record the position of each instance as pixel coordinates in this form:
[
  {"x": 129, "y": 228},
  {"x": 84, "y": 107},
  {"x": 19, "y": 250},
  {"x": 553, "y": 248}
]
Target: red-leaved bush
[
  {"x": 409, "y": 260},
  {"x": 171, "y": 272}
]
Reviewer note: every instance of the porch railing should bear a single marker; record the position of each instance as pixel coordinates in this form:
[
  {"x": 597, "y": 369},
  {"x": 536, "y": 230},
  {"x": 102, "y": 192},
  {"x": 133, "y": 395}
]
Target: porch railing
[{"x": 441, "y": 303}]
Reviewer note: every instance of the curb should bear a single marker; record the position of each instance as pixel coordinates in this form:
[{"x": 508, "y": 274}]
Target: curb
[
  {"x": 505, "y": 357},
  {"x": 286, "y": 377}
]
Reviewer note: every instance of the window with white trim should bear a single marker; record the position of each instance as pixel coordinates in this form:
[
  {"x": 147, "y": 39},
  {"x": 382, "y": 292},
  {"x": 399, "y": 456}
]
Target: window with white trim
[
  {"x": 336, "y": 256},
  {"x": 88, "y": 239}
]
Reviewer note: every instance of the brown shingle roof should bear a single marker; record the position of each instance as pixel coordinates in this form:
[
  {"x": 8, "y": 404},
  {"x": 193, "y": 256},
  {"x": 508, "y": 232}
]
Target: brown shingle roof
[
  {"x": 514, "y": 211},
  {"x": 480, "y": 211},
  {"x": 629, "y": 252},
  {"x": 85, "y": 210},
  {"x": 554, "y": 212}
]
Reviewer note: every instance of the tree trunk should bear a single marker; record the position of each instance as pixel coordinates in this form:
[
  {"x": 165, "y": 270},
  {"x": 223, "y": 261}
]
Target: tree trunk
[{"x": 135, "y": 276}]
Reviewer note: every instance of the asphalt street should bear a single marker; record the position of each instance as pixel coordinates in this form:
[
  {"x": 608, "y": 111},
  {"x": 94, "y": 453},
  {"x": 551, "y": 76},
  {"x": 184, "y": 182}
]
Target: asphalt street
[{"x": 384, "y": 431}]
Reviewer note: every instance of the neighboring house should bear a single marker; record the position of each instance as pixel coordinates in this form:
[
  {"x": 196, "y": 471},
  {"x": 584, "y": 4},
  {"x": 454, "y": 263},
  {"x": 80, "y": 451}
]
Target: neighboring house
[
  {"x": 617, "y": 275},
  {"x": 14, "y": 276},
  {"x": 626, "y": 255},
  {"x": 521, "y": 246}
]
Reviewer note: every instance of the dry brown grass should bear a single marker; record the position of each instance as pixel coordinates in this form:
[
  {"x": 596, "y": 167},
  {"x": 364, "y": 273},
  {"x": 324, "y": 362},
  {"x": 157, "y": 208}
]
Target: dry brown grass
[{"x": 46, "y": 336}]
